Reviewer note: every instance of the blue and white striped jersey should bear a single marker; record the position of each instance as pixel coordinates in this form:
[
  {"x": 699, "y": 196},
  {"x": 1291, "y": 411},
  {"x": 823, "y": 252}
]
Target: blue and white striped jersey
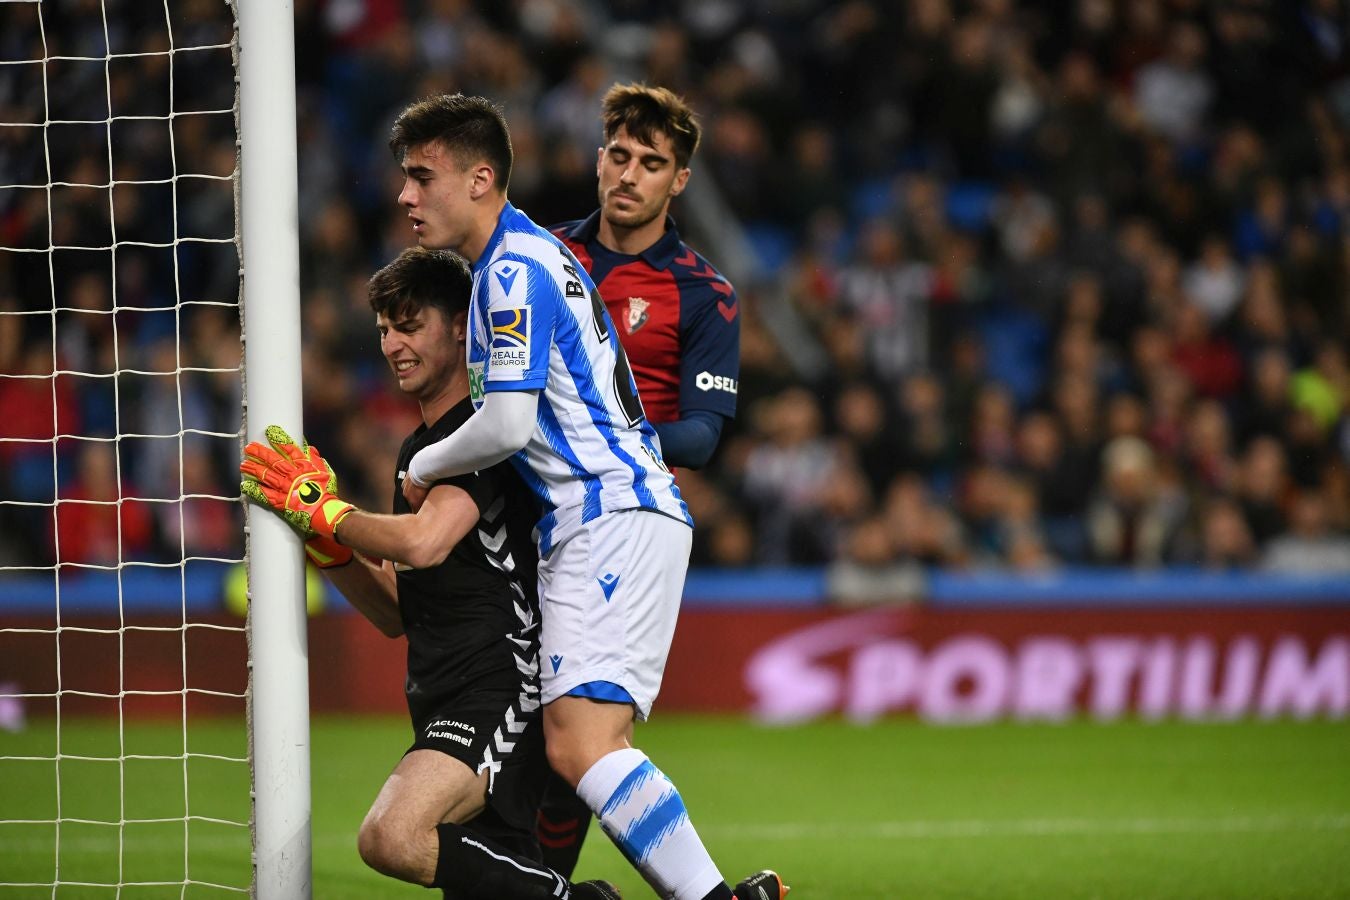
[{"x": 536, "y": 321}]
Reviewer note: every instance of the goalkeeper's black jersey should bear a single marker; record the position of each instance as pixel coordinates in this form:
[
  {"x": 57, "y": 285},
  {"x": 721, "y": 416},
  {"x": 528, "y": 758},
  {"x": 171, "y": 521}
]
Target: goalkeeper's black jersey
[{"x": 472, "y": 621}]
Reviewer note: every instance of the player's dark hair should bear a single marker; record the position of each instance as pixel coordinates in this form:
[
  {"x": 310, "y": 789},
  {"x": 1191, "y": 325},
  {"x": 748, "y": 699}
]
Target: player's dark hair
[
  {"x": 419, "y": 278},
  {"x": 643, "y": 110},
  {"x": 472, "y": 129}
]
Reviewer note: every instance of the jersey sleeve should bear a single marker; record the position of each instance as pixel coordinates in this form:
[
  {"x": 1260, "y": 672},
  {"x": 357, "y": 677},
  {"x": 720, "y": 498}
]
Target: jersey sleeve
[
  {"x": 522, "y": 307},
  {"x": 710, "y": 348},
  {"x": 482, "y": 486}
]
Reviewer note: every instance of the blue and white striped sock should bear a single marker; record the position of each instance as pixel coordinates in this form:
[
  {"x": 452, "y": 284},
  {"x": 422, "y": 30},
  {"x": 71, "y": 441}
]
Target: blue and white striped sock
[{"x": 642, "y": 813}]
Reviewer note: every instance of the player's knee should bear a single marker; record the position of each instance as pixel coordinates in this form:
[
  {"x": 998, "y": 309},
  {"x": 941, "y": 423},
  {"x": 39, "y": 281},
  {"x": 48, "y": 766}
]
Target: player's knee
[
  {"x": 392, "y": 850},
  {"x": 570, "y": 759},
  {"x": 577, "y": 734},
  {"x": 559, "y": 756},
  {"x": 374, "y": 845}
]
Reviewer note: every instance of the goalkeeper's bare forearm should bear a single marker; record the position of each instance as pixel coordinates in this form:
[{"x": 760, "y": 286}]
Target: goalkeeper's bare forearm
[{"x": 420, "y": 540}]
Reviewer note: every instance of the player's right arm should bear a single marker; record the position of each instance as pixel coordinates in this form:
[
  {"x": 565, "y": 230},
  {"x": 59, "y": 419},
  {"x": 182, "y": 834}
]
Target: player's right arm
[
  {"x": 422, "y": 539},
  {"x": 294, "y": 482},
  {"x": 419, "y": 540}
]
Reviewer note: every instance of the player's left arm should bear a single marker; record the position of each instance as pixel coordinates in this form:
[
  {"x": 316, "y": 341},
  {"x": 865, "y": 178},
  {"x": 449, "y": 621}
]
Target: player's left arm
[
  {"x": 523, "y": 296},
  {"x": 689, "y": 441},
  {"x": 710, "y": 359},
  {"x": 371, "y": 588},
  {"x": 499, "y": 428}
]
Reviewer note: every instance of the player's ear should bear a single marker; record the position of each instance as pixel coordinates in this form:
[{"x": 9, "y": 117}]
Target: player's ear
[
  {"x": 484, "y": 179},
  {"x": 681, "y": 179},
  {"x": 599, "y": 161},
  {"x": 459, "y": 326}
]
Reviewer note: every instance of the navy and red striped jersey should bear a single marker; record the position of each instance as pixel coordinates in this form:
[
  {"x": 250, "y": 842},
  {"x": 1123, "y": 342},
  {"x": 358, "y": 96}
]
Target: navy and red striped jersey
[{"x": 677, "y": 318}]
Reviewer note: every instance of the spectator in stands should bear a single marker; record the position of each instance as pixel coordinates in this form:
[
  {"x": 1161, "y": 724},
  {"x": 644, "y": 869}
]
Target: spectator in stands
[
  {"x": 1062, "y": 484},
  {"x": 1226, "y": 543},
  {"x": 1138, "y": 512},
  {"x": 94, "y": 523},
  {"x": 991, "y": 438},
  {"x": 809, "y": 182},
  {"x": 921, "y": 530},
  {"x": 1126, "y": 416},
  {"x": 1263, "y": 320},
  {"x": 929, "y": 442},
  {"x": 1261, "y": 228},
  {"x": 213, "y": 520},
  {"x": 1311, "y": 277},
  {"x": 1080, "y": 142},
  {"x": 1169, "y": 398},
  {"x": 1022, "y": 536},
  {"x": 1263, "y": 486},
  {"x": 1310, "y": 544},
  {"x": 1206, "y": 358},
  {"x": 888, "y": 295},
  {"x": 1265, "y": 405},
  {"x": 1323, "y": 388},
  {"x": 1214, "y": 281},
  {"x": 789, "y": 477},
  {"x": 1174, "y": 92},
  {"x": 1207, "y": 453},
  {"x": 861, "y": 419}
]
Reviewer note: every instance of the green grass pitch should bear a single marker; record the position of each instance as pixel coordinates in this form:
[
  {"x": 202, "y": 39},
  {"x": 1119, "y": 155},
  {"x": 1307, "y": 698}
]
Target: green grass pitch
[{"x": 896, "y": 809}]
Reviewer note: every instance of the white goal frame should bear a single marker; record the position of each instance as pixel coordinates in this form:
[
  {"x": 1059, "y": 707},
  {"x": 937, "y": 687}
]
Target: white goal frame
[
  {"x": 268, "y": 205},
  {"x": 266, "y": 240}
]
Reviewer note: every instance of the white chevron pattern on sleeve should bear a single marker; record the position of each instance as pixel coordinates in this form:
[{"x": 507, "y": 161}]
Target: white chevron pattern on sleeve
[{"x": 493, "y": 542}]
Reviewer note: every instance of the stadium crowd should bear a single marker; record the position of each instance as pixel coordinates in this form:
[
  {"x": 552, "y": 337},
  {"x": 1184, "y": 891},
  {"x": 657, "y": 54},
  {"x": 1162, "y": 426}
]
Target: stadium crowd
[{"x": 1077, "y": 270}]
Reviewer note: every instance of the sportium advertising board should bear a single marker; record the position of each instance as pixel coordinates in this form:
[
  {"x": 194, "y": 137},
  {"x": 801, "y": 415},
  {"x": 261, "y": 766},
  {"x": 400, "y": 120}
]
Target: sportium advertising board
[
  {"x": 979, "y": 665},
  {"x": 785, "y": 664}
]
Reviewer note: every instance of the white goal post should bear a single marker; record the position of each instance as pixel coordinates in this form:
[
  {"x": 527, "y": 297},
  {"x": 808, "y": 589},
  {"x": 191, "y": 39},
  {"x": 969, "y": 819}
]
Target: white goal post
[
  {"x": 148, "y": 211},
  {"x": 269, "y": 207}
]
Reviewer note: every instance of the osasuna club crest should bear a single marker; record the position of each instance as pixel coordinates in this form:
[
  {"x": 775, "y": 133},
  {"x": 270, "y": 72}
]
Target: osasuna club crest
[{"x": 637, "y": 313}]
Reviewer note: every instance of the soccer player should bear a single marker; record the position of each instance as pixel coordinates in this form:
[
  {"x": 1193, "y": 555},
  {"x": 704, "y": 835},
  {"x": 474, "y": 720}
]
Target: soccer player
[
  {"x": 458, "y": 810},
  {"x": 554, "y": 395},
  {"x": 675, "y": 315}
]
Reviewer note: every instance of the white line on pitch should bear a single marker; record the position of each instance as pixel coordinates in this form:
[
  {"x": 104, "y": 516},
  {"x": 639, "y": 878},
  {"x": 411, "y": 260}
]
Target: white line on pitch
[{"x": 974, "y": 828}]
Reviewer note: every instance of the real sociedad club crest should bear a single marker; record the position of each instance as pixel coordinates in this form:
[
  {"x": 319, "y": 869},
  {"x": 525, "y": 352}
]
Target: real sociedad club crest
[{"x": 637, "y": 313}]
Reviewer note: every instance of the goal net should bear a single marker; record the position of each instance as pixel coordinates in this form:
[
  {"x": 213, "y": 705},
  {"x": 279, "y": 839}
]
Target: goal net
[{"x": 125, "y": 746}]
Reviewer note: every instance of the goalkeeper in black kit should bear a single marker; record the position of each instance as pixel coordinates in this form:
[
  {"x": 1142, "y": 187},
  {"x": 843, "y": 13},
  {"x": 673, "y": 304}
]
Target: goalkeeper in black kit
[{"x": 458, "y": 579}]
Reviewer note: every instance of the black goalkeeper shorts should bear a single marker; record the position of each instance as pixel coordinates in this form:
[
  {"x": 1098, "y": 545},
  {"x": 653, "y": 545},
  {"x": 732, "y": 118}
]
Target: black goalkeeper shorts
[{"x": 502, "y": 732}]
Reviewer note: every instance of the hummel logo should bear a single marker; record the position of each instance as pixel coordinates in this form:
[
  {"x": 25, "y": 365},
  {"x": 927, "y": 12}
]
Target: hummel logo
[
  {"x": 608, "y": 582},
  {"x": 507, "y": 277},
  {"x": 557, "y": 661}
]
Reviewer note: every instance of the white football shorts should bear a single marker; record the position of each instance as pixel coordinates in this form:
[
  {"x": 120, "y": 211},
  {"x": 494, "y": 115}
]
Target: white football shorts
[{"x": 609, "y": 596}]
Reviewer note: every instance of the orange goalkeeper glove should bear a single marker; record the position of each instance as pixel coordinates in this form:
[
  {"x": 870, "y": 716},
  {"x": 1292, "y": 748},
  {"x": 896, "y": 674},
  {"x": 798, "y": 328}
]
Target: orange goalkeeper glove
[{"x": 295, "y": 483}]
